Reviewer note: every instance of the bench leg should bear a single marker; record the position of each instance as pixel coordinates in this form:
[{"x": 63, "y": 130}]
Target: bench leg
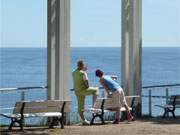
[
  {"x": 21, "y": 123},
  {"x": 173, "y": 114},
  {"x": 102, "y": 119},
  {"x": 56, "y": 120},
  {"x": 94, "y": 116},
  {"x": 52, "y": 122},
  {"x": 62, "y": 124},
  {"x": 92, "y": 120},
  {"x": 51, "y": 125},
  {"x": 165, "y": 112},
  {"x": 11, "y": 125}
]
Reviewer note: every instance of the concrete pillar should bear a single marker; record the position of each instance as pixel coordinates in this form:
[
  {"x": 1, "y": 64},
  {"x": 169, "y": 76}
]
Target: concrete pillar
[
  {"x": 131, "y": 46},
  {"x": 58, "y": 49}
]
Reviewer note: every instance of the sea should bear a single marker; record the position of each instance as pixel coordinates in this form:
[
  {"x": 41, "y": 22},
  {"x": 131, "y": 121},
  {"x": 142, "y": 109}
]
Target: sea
[{"x": 26, "y": 67}]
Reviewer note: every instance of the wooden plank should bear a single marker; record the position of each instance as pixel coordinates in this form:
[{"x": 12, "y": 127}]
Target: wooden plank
[
  {"x": 17, "y": 107},
  {"x": 177, "y": 100},
  {"x": 172, "y": 100},
  {"x": 123, "y": 109},
  {"x": 42, "y": 106},
  {"x": 109, "y": 102},
  {"x": 44, "y": 103},
  {"x": 49, "y": 114},
  {"x": 98, "y": 103},
  {"x": 41, "y": 109},
  {"x": 67, "y": 107}
]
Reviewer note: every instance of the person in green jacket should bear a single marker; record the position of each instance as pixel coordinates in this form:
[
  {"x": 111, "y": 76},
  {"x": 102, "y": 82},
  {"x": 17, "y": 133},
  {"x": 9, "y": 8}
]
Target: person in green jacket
[{"x": 82, "y": 89}]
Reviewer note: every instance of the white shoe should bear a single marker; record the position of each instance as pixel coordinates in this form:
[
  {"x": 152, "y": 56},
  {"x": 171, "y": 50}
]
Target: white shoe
[{"x": 86, "y": 122}]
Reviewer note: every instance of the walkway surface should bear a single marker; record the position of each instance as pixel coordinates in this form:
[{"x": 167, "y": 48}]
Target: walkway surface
[{"x": 139, "y": 127}]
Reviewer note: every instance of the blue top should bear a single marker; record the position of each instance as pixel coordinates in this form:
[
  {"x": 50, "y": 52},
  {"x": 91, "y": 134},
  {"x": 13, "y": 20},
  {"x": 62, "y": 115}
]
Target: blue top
[{"x": 111, "y": 84}]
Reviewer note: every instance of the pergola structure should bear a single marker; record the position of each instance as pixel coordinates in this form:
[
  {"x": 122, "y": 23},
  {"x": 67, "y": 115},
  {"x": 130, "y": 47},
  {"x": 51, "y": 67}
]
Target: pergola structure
[{"x": 59, "y": 48}]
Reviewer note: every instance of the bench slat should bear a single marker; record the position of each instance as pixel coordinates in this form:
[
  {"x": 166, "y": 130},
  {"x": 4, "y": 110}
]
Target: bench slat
[
  {"x": 93, "y": 110},
  {"x": 109, "y": 104},
  {"x": 51, "y": 114},
  {"x": 67, "y": 107},
  {"x": 172, "y": 99},
  {"x": 164, "y": 106},
  {"x": 41, "y": 109},
  {"x": 129, "y": 100},
  {"x": 49, "y": 108},
  {"x": 123, "y": 109},
  {"x": 10, "y": 115},
  {"x": 41, "y": 106},
  {"x": 98, "y": 103}
]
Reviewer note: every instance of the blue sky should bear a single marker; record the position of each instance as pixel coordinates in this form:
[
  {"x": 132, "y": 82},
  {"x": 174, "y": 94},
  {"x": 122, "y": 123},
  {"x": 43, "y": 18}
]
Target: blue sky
[{"x": 93, "y": 23}]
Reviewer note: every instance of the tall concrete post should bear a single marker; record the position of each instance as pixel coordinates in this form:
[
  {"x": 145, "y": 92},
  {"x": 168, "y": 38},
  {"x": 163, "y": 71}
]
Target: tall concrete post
[
  {"x": 131, "y": 46},
  {"x": 58, "y": 49}
]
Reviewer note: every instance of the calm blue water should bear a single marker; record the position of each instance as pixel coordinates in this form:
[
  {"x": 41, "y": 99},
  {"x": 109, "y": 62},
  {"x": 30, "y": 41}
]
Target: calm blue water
[
  {"x": 27, "y": 66},
  {"x": 21, "y": 67}
]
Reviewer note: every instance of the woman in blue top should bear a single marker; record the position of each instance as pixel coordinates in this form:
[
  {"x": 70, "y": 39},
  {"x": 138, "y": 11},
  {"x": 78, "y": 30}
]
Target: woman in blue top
[{"x": 115, "y": 91}]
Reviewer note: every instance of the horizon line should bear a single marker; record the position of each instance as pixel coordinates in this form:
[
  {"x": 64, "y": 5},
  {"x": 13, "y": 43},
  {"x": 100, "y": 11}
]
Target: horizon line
[{"x": 83, "y": 46}]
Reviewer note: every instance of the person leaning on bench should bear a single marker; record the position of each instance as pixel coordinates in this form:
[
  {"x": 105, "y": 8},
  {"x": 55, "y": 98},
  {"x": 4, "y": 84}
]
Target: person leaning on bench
[
  {"x": 82, "y": 89},
  {"x": 115, "y": 91}
]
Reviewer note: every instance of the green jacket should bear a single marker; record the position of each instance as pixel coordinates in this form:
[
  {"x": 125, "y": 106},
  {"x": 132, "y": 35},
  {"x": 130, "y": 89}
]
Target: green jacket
[{"x": 78, "y": 81}]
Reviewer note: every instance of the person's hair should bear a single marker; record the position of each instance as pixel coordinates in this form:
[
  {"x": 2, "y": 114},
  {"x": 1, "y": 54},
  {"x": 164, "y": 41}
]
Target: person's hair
[
  {"x": 80, "y": 63},
  {"x": 99, "y": 73}
]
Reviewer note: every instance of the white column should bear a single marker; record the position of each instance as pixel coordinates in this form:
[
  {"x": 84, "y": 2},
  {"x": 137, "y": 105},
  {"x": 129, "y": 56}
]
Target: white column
[
  {"x": 131, "y": 46},
  {"x": 59, "y": 49}
]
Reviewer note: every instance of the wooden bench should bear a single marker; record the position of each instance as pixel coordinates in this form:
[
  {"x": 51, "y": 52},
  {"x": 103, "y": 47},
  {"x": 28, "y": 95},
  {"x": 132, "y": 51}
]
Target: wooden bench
[
  {"x": 173, "y": 103},
  {"x": 103, "y": 105},
  {"x": 50, "y": 108}
]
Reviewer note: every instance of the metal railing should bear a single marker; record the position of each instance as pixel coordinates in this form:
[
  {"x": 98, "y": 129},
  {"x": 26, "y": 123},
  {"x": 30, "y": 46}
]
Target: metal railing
[
  {"x": 166, "y": 96},
  {"x": 148, "y": 89},
  {"x": 23, "y": 90},
  {"x": 9, "y": 96}
]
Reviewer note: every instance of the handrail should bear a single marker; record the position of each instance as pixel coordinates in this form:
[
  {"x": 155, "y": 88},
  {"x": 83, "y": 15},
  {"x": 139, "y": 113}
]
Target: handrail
[
  {"x": 23, "y": 91},
  {"x": 45, "y": 87},
  {"x": 22, "y": 88},
  {"x": 151, "y": 86},
  {"x": 157, "y": 86}
]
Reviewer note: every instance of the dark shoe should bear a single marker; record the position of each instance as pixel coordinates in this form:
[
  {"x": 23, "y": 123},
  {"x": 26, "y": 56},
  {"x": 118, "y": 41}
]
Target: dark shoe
[{"x": 116, "y": 121}]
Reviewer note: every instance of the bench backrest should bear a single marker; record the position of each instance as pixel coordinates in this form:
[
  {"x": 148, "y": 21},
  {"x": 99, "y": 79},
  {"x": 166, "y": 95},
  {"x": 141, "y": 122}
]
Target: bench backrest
[
  {"x": 99, "y": 103},
  {"x": 174, "y": 101},
  {"x": 41, "y": 106},
  {"x": 132, "y": 101}
]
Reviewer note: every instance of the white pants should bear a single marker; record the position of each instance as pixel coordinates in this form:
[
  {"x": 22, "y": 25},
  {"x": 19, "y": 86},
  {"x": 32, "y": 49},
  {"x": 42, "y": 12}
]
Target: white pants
[{"x": 118, "y": 98}]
